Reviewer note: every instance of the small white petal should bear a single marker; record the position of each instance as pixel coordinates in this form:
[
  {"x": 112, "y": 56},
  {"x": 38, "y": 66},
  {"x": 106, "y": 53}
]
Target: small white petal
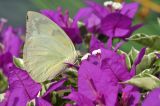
[
  {"x": 107, "y": 3},
  {"x": 95, "y": 52},
  {"x": 117, "y": 6},
  {"x": 85, "y": 56}
]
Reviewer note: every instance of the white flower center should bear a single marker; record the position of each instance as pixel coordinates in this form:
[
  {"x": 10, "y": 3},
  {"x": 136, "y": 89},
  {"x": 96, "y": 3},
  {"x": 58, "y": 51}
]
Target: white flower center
[
  {"x": 95, "y": 52},
  {"x": 85, "y": 56},
  {"x": 115, "y": 5},
  {"x": 108, "y": 3}
]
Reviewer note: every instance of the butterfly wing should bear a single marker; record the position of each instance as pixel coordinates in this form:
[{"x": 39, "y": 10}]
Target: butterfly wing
[{"x": 46, "y": 48}]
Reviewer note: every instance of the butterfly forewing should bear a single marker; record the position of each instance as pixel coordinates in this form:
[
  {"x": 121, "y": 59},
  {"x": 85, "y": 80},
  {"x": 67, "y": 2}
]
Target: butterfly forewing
[{"x": 46, "y": 49}]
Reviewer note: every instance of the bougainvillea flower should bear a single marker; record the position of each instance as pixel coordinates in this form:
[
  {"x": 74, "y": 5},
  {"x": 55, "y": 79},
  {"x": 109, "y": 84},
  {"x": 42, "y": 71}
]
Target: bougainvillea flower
[
  {"x": 42, "y": 102},
  {"x": 99, "y": 77},
  {"x": 54, "y": 86},
  {"x": 45, "y": 99},
  {"x": 130, "y": 96},
  {"x": 21, "y": 87},
  {"x": 116, "y": 25},
  {"x": 12, "y": 41},
  {"x": 2, "y": 23},
  {"x": 92, "y": 15},
  {"x": 115, "y": 22},
  {"x": 98, "y": 9},
  {"x": 129, "y": 9},
  {"x": 80, "y": 99},
  {"x": 137, "y": 61},
  {"x": 64, "y": 21},
  {"x": 95, "y": 44},
  {"x": 115, "y": 62},
  {"x": 153, "y": 98},
  {"x": 95, "y": 85}
]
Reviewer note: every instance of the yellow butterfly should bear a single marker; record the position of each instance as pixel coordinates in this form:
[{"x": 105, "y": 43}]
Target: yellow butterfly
[{"x": 47, "y": 48}]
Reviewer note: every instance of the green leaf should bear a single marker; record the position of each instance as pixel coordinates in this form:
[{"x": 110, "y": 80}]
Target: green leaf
[
  {"x": 156, "y": 66},
  {"x": 146, "y": 62},
  {"x": 2, "y": 97},
  {"x": 133, "y": 54},
  {"x": 158, "y": 19},
  {"x": 54, "y": 98},
  {"x": 18, "y": 62},
  {"x": 43, "y": 90},
  {"x": 3, "y": 82},
  {"x": 146, "y": 40},
  {"x": 144, "y": 80},
  {"x": 127, "y": 58},
  {"x": 157, "y": 62}
]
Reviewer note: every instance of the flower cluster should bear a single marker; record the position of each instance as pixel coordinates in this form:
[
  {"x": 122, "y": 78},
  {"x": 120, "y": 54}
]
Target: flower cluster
[{"x": 105, "y": 76}]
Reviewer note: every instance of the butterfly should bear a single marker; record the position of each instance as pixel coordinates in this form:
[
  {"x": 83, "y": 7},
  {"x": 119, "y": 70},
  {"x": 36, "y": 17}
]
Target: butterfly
[{"x": 47, "y": 48}]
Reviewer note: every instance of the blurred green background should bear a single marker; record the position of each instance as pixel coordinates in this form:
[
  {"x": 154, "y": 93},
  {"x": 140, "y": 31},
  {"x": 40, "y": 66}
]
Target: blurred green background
[{"x": 15, "y": 11}]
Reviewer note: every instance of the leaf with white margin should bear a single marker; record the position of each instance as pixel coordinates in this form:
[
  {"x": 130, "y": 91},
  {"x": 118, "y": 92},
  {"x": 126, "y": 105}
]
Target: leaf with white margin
[
  {"x": 144, "y": 80},
  {"x": 152, "y": 41}
]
